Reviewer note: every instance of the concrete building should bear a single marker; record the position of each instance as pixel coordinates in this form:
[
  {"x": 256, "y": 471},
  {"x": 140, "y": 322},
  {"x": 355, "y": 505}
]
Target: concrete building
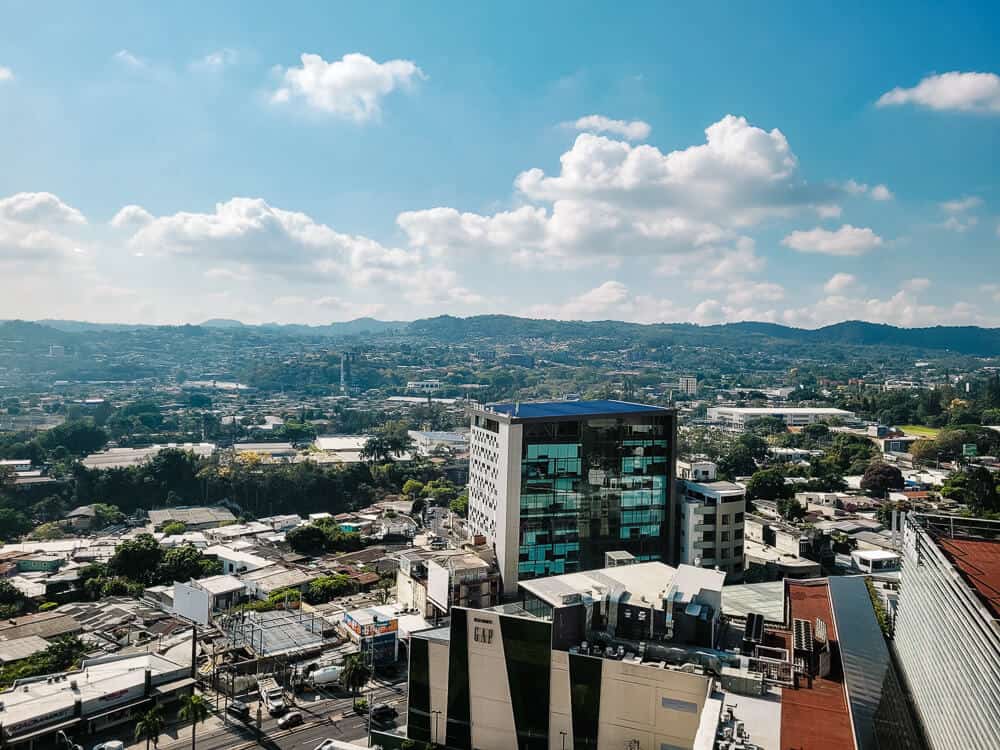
[
  {"x": 736, "y": 418},
  {"x": 947, "y": 628},
  {"x": 536, "y": 674},
  {"x": 194, "y": 519},
  {"x": 555, "y": 485},
  {"x": 119, "y": 458},
  {"x": 711, "y": 526},
  {"x": 426, "y": 442},
  {"x": 424, "y": 386},
  {"x": 697, "y": 470},
  {"x": 432, "y": 582},
  {"x": 104, "y": 692},
  {"x": 688, "y": 385}
]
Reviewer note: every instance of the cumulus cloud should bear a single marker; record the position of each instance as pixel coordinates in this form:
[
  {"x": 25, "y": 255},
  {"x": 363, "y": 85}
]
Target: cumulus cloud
[
  {"x": 612, "y": 199},
  {"x": 848, "y": 240},
  {"x": 131, "y": 216},
  {"x": 961, "y": 205},
  {"x": 962, "y": 92},
  {"x": 215, "y": 61},
  {"x": 904, "y": 308},
  {"x": 39, "y": 227},
  {"x": 41, "y": 208},
  {"x": 352, "y": 87},
  {"x": 6, "y": 74},
  {"x": 876, "y": 193},
  {"x": 633, "y": 130},
  {"x": 590, "y": 305},
  {"x": 839, "y": 283}
]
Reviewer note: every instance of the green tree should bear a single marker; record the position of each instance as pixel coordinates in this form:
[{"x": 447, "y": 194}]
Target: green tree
[
  {"x": 308, "y": 539},
  {"x": 790, "y": 509},
  {"x": 77, "y": 436},
  {"x": 737, "y": 462},
  {"x": 974, "y": 486},
  {"x": 138, "y": 559},
  {"x": 460, "y": 505},
  {"x": 356, "y": 673},
  {"x": 48, "y": 531},
  {"x": 879, "y": 478},
  {"x": 150, "y": 725},
  {"x": 107, "y": 515},
  {"x": 768, "y": 484},
  {"x": 13, "y": 524},
  {"x": 180, "y": 564},
  {"x": 174, "y": 528},
  {"x": 326, "y": 588},
  {"x": 194, "y": 708},
  {"x": 412, "y": 487}
]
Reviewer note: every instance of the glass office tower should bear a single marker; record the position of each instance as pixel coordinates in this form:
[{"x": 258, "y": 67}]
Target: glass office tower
[{"x": 554, "y": 486}]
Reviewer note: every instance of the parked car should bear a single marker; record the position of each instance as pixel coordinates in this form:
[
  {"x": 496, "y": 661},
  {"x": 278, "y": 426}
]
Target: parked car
[
  {"x": 384, "y": 711},
  {"x": 236, "y": 709},
  {"x": 327, "y": 744},
  {"x": 110, "y": 745},
  {"x": 291, "y": 719}
]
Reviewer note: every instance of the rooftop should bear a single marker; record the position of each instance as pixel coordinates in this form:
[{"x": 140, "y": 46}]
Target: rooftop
[
  {"x": 572, "y": 409},
  {"x": 978, "y": 561},
  {"x": 647, "y": 582},
  {"x": 818, "y": 717}
]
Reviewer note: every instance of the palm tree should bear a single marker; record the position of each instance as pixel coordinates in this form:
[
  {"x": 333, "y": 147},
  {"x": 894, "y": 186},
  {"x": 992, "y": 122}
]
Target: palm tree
[
  {"x": 150, "y": 726},
  {"x": 194, "y": 708},
  {"x": 356, "y": 673}
]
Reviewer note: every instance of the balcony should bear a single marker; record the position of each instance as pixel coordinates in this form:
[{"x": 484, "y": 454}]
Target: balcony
[
  {"x": 704, "y": 527},
  {"x": 704, "y": 544}
]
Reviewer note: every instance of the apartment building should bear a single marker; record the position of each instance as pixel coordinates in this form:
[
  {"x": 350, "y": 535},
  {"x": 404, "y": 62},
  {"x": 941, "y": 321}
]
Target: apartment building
[
  {"x": 711, "y": 525},
  {"x": 736, "y": 418}
]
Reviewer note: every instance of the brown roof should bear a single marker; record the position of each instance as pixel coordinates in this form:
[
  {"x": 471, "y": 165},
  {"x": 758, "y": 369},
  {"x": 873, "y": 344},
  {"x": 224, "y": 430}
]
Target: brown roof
[
  {"x": 978, "y": 560},
  {"x": 815, "y": 718},
  {"x": 43, "y": 624}
]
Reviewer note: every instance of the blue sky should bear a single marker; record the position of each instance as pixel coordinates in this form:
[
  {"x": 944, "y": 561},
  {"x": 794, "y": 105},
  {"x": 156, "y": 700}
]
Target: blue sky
[{"x": 176, "y": 162}]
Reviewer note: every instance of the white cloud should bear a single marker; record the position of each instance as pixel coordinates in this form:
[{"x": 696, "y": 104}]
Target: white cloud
[
  {"x": 6, "y": 74},
  {"x": 963, "y": 92},
  {"x": 239, "y": 273},
  {"x": 876, "y": 193},
  {"x": 992, "y": 290},
  {"x": 131, "y": 216},
  {"x": 881, "y": 193},
  {"x": 959, "y": 223},
  {"x": 612, "y": 199},
  {"x": 352, "y": 87},
  {"x": 633, "y": 130},
  {"x": 215, "y": 61},
  {"x": 848, "y": 240},
  {"x": 129, "y": 60},
  {"x": 839, "y": 283},
  {"x": 904, "y": 308},
  {"x": 39, "y": 208},
  {"x": 600, "y": 302},
  {"x": 961, "y": 205}
]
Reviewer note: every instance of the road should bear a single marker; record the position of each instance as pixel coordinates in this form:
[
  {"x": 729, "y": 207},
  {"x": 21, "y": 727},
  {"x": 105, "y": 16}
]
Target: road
[{"x": 325, "y": 714}]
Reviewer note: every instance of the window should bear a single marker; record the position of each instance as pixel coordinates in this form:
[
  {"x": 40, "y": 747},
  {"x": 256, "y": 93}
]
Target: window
[
  {"x": 725, "y": 554},
  {"x": 738, "y": 518},
  {"x": 725, "y": 536},
  {"x": 725, "y": 520}
]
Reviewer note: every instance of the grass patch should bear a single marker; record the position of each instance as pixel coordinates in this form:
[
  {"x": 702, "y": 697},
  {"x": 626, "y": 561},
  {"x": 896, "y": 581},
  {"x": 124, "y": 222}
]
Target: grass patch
[{"x": 920, "y": 429}]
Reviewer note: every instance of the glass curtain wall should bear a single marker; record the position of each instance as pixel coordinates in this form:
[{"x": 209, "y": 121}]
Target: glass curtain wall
[{"x": 590, "y": 487}]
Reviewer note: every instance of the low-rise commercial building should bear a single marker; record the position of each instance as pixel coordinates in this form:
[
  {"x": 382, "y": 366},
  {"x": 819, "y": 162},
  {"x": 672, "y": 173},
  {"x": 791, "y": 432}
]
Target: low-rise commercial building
[
  {"x": 737, "y": 418},
  {"x": 193, "y": 518}
]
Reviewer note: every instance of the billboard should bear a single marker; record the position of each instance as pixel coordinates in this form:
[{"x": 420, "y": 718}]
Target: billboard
[
  {"x": 438, "y": 585},
  {"x": 192, "y": 603}
]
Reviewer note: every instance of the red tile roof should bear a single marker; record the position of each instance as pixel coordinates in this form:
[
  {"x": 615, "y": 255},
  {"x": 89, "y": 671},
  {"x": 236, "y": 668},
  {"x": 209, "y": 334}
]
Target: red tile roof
[
  {"x": 815, "y": 718},
  {"x": 978, "y": 560}
]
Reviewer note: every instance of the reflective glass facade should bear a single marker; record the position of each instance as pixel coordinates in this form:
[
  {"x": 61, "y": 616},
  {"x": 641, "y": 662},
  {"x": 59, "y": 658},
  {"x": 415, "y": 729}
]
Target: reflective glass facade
[{"x": 591, "y": 486}]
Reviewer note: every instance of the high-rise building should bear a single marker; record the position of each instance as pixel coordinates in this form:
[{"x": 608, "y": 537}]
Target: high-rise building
[
  {"x": 947, "y": 628},
  {"x": 711, "y": 524},
  {"x": 688, "y": 385},
  {"x": 555, "y": 485}
]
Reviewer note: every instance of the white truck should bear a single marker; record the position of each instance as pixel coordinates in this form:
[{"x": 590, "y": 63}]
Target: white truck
[
  {"x": 272, "y": 696},
  {"x": 327, "y": 677}
]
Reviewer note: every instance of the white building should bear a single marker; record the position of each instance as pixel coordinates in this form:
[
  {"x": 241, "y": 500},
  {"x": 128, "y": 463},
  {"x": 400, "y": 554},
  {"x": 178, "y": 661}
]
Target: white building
[
  {"x": 736, "y": 417},
  {"x": 696, "y": 471},
  {"x": 424, "y": 386},
  {"x": 688, "y": 385},
  {"x": 711, "y": 534},
  {"x": 426, "y": 441}
]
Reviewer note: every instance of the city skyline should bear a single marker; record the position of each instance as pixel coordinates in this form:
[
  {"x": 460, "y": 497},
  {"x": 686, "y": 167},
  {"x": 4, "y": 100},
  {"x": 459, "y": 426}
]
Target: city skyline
[{"x": 318, "y": 165}]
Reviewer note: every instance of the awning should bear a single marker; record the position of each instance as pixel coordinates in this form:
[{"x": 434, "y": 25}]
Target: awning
[
  {"x": 172, "y": 687},
  {"x": 41, "y": 731},
  {"x": 116, "y": 709}
]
